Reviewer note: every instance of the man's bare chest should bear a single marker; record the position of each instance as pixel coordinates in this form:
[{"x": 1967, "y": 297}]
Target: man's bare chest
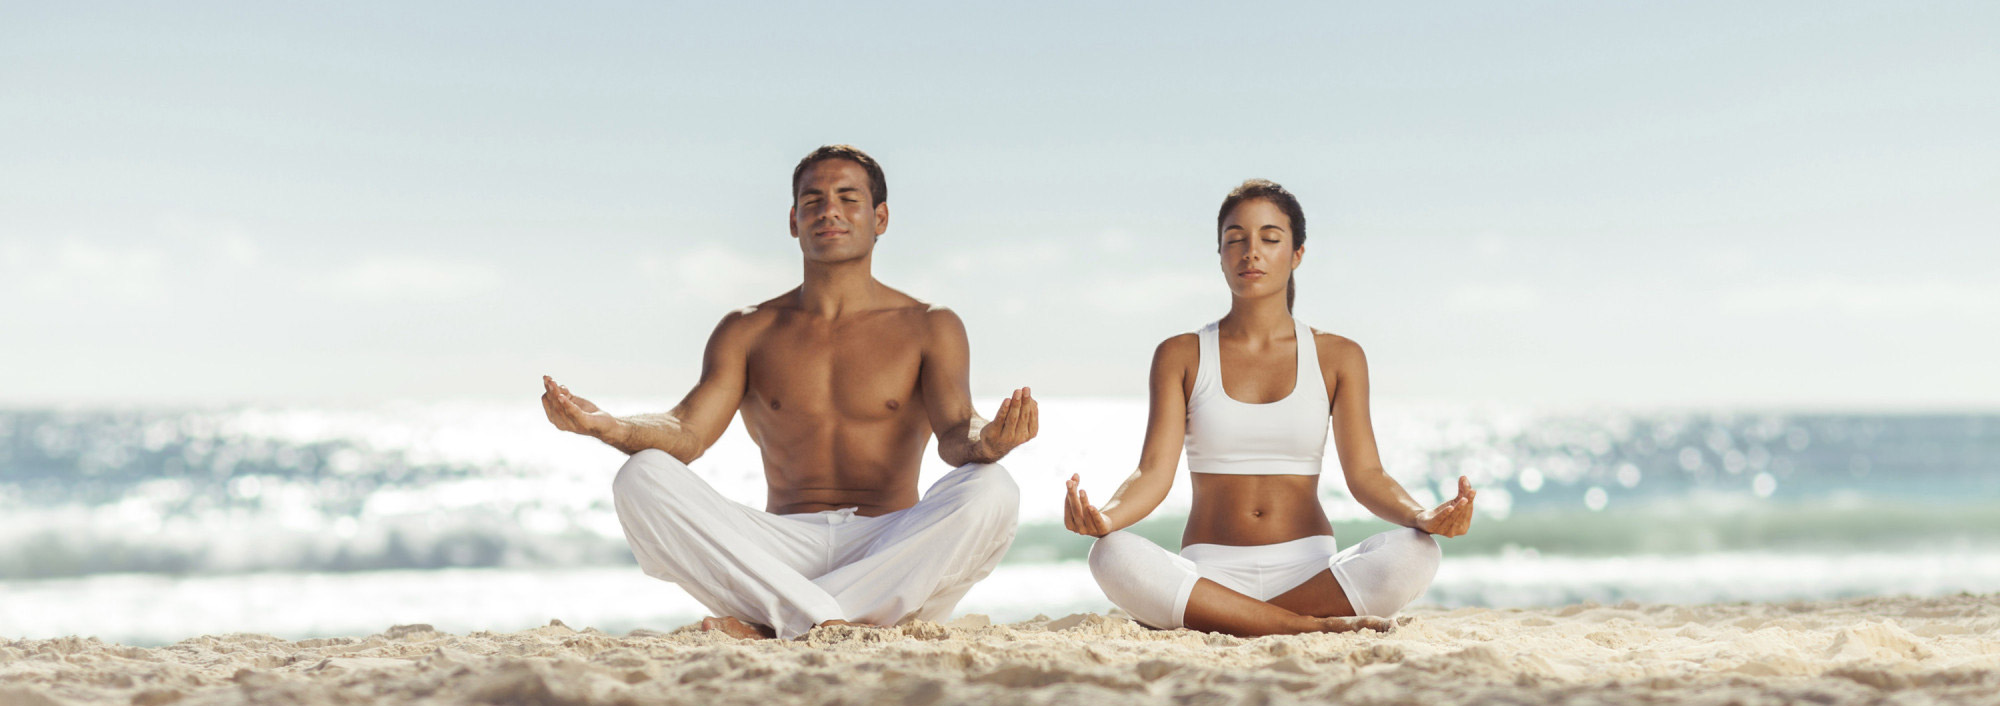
[{"x": 854, "y": 374}]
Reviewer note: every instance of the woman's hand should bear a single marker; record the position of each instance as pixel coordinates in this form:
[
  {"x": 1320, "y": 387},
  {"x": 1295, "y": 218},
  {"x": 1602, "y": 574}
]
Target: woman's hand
[
  {"x": 1452, "y": 518},
  {"x": 1080, "y": 516}
]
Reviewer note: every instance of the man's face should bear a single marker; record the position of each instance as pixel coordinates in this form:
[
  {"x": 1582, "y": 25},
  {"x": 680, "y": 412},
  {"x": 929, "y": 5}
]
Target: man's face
[{"x": 833, "y": 215}]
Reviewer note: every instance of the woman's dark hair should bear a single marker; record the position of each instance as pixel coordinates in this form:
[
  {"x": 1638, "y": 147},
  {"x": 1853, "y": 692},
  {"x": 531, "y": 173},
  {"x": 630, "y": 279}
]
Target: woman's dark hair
[{"x": 1254, "y": 189}]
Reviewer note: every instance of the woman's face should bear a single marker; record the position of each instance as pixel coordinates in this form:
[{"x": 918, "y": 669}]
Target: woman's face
[{"x": 1257, "y": 253}]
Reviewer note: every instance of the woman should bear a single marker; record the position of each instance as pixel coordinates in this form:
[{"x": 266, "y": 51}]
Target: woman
[{"x": 1251, "y": 396}]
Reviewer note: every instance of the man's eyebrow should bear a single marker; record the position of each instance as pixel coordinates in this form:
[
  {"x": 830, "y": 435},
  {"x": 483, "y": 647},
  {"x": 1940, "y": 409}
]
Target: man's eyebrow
[
  {"x": 811, "y": 190},
  {"x": 847, "y": 190},
  {"x": 1271, "y": 226}
]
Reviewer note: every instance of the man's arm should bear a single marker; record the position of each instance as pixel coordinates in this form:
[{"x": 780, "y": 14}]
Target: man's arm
[
  {"x": 963, "y": 436},
  {"x": 690, "y": 427}
]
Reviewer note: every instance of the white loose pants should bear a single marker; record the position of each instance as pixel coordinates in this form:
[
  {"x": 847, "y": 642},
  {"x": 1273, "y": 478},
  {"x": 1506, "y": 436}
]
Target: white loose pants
[{"x": 792, "y": 572}]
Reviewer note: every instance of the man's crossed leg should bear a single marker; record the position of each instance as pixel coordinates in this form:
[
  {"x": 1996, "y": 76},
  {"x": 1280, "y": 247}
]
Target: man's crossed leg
[{"x": 792, "y": 572}]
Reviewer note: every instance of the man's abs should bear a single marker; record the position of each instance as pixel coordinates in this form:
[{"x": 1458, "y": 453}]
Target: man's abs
[{"x": 838, "y": 414}]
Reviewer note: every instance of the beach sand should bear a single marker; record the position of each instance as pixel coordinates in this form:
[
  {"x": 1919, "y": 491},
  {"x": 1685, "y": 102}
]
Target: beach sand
[{"x": 1900, "y": 650}]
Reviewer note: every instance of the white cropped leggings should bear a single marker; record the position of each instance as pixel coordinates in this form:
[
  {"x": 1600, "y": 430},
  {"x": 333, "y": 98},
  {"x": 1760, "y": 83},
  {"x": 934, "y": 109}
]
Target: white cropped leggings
[
  {"x": 1380, "y": 575},
  {"x": 791, "y": 572}
]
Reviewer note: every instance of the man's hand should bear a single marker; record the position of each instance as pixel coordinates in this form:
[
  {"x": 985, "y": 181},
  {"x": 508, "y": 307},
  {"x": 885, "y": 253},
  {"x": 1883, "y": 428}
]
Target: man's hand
[
  {"x": 1082, "y": 517},
  {"x": 1452, "y": 518},
  {"x": 575, "y": 414},
  {"x": 1017, "y": 421}
]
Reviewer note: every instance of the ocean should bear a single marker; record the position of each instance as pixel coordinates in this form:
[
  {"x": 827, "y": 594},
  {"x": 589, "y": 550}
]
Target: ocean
[{"x": 150, "y": 525}]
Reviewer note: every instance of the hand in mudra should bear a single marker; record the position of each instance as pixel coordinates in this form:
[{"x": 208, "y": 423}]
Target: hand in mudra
[
  {"x": 1017, "y": 421},
  {"x": 1452, "y": 518},
  {"x": 1082, "y": 517},
  {"x": 574, "y": 414}
]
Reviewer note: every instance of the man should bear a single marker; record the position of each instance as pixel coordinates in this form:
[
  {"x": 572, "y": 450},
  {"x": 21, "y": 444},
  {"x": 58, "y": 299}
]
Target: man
[{"x": 841, "y": 382}]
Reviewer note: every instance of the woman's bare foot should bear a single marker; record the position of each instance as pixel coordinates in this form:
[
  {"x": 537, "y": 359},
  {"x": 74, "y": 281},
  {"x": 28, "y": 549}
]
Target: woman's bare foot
[
  {"x": 737, "y": 629},
  {"x": 1364, "y": 622}
]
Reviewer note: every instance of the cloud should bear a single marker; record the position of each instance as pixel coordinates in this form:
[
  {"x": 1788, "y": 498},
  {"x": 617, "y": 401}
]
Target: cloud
[
  {"x": 721, "y": 276},
  {"x": 1156, "y": 292},
  {"x": 1865, "y": 299},
  {"x": 1494, "y": 298},
  {"x": 214, "y": 241},
  {"x": 406, "y": 278},
  {"x": 73, "y": 270}
]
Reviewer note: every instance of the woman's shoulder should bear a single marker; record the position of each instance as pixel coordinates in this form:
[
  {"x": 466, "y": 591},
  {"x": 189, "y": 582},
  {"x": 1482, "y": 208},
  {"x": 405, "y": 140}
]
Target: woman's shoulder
[
  {"x": 1182, "y": 346},
  {"x": 1334, "y": 348}
]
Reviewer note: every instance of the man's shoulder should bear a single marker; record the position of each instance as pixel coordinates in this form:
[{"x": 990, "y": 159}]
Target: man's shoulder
[
  {"x": 748, "y": 320},
  {"x": 931, "y": 316}
]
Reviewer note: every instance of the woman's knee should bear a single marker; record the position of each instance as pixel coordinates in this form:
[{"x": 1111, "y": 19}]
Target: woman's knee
[
  {"x": 1139, "y": 576},
  {"x": 1118, "y": 553},
  {"x": 1420, "y": 545},
  {"x": 1401, "y": 571}
]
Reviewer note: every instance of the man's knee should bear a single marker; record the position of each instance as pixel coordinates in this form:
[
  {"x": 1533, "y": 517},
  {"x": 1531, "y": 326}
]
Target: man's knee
[
  {"x": 989, "y": 487},
  {"x": 642, "y": 472}
]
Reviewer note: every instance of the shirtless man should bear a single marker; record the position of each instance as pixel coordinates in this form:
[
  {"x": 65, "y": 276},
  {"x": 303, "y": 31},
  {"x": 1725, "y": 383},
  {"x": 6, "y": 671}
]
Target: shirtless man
[{"x": 841, "y": 381}]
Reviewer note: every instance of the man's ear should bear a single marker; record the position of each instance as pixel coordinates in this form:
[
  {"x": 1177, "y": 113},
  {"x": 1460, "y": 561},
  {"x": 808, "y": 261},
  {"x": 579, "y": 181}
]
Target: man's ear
[
  {"x": 881, "y": 217},
  {"x": 792, "y": 220}
]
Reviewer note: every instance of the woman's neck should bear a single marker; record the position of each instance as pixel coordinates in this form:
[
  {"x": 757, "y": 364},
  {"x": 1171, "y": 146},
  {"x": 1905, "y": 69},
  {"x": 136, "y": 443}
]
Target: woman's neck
[{"x": 1261, "y": 318}]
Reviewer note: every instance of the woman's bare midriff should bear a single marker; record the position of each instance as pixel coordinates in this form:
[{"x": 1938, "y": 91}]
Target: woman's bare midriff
[{"x": 1251, "y": 510}]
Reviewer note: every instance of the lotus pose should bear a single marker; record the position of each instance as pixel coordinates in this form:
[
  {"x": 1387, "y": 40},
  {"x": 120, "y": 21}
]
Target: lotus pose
[
  {"x": 1251, "y": 397},
  {"x": 841, "y": 382}
]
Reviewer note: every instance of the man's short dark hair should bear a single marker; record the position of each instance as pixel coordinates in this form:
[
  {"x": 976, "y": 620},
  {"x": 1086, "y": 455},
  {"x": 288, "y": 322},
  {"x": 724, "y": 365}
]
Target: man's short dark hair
[{"x": 878, "y": 186}]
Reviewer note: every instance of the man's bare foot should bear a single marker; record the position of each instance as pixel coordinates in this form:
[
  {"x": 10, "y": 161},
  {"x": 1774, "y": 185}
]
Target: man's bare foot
[
  {"x": 736, "y": 629},
  {"x": 831, "y": 623},
  {"x": 1365, "y": 622}
]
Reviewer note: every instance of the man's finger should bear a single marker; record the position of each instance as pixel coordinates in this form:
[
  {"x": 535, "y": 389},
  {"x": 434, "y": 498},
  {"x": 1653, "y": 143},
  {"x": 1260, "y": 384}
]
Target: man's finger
[
  {"x": 550, "y": 410},
  {"x": 1034, "y": 418},
  {"x": 989, "y": 434}
]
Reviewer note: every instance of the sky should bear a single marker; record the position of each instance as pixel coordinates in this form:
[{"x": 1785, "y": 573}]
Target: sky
[{"x": 1783, "y": 204}]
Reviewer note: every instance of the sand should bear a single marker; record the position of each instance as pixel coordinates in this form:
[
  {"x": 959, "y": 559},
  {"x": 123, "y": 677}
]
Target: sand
[{"x": 1899, "y": 650}]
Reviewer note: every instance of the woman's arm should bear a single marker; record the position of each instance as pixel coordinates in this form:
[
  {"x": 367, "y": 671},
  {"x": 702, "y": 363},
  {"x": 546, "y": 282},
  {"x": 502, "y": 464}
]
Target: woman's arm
[
  {"x": 1166, "y": 430},
  {"x": 1346, "y": 372}
]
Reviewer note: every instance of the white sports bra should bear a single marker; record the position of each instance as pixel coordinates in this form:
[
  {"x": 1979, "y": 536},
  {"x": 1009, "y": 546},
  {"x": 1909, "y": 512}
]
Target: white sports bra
[{"x": 1286, "y": 437}]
